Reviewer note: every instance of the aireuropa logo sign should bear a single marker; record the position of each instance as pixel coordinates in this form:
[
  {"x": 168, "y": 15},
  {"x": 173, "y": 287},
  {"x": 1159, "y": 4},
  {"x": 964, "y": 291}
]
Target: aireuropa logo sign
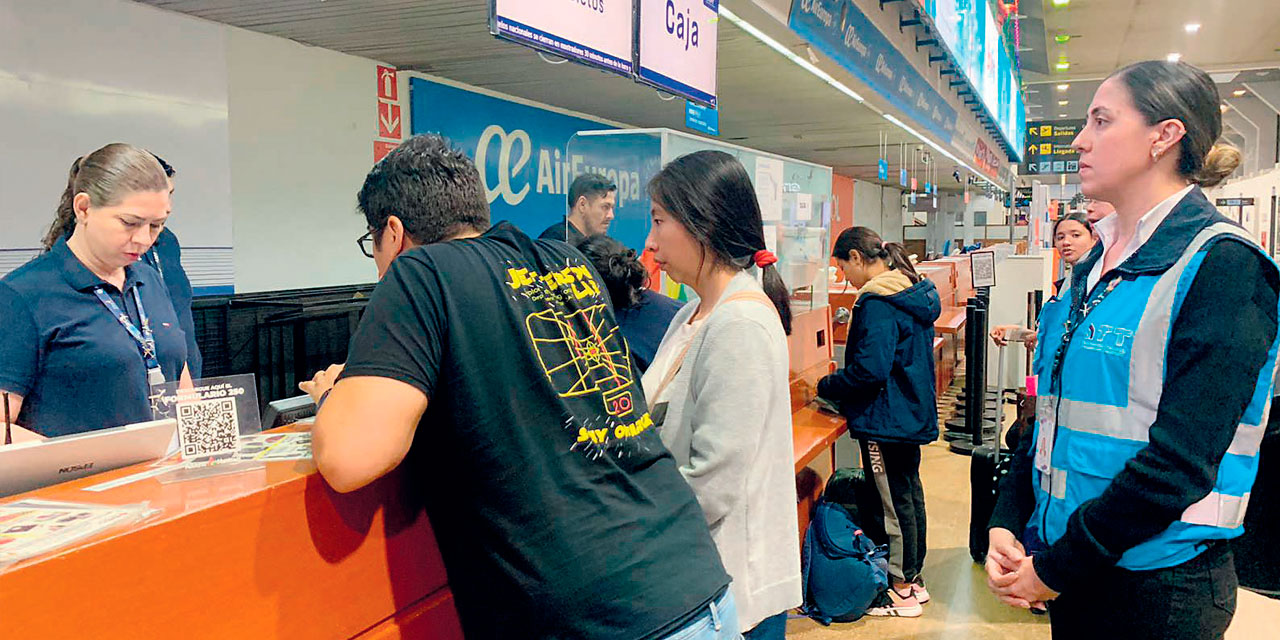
[
  {"x": 503, "y": 160},
  {"x": 514, "y": 150}
]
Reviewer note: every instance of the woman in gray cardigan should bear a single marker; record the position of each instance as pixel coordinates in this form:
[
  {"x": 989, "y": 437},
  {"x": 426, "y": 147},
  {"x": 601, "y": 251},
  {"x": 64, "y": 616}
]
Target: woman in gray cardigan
[{"x": 718, "y": 386}]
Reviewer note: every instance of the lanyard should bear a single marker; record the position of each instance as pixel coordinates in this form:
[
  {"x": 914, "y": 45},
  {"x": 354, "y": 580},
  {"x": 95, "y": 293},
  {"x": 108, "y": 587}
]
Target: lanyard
[
  {"x": 153, "y": 258},
  {"x": 145, "y": 339}
]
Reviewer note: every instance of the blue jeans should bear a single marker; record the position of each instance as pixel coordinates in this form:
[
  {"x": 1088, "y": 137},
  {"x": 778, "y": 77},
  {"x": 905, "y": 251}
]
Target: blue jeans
[
  {"x": 718, "y": 622},
  {"x": 771, "y": 628}
]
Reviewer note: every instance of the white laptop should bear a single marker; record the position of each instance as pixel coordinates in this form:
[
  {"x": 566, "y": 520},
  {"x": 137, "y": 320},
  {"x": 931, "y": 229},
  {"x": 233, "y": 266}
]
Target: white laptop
[{"x": 42, "y": 463}]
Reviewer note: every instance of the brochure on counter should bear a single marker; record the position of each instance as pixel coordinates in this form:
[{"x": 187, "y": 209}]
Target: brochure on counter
[{"x": 29, "y": 528}]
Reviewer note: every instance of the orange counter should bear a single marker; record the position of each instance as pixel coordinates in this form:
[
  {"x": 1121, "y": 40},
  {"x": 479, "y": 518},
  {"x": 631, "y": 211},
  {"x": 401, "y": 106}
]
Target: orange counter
[{"x": 272, "y": 553}]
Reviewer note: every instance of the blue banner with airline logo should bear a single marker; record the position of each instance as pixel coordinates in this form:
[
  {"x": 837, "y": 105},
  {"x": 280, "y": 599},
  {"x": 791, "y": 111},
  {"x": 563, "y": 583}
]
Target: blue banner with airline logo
[
  {"x": 520, "y": 152},
  {"x": 839, "y": 29}
]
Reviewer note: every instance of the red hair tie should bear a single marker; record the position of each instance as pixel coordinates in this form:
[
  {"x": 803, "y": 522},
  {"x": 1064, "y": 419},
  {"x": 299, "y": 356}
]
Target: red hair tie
[{"x": 764, "y": 258}]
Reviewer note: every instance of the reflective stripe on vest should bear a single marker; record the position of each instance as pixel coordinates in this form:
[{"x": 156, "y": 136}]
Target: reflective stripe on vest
[{"x": 1098, "y": 439}]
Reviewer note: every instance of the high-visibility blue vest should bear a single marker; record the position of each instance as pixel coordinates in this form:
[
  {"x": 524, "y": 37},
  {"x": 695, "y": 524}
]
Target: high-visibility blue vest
[{"x": 1099, "y": 396}]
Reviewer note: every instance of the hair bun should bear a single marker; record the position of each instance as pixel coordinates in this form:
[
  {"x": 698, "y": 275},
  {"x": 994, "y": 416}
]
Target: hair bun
[{"x": 1219, "y": 164}]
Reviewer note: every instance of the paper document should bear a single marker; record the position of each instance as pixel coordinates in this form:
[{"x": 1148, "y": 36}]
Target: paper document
[
  {"x": 769, "y": 177},
  {"x": 33, "y": 527}
]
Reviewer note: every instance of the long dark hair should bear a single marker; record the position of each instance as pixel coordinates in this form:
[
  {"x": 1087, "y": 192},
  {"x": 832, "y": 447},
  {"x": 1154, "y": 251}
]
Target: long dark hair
[
  {"x": 624, "y": 276},
  {"x": 871, "y": 247},
  {"x": 1162, "y": 90},
  {"x": 710, "y": 194},
  {"x": 107, "y": 176},
  {"x": 1074, "y": 216}
]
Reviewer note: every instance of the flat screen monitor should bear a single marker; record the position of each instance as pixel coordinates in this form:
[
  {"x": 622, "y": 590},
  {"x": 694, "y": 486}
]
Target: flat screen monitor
[
  {"x": 676, "y": 48},
  {"x": 598, "y": 33}
]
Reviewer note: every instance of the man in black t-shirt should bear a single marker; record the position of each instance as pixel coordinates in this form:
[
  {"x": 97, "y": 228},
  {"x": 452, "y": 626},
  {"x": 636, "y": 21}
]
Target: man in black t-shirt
[{"x": 491, "y": 364}]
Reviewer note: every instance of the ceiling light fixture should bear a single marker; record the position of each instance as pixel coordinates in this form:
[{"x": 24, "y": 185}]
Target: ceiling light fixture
[
  {"x": 1062, "y": 65},
  {"x": 1063, "y": 103},
  {"x": 1173, "y": 57},
  {"x": 1062, "y": 115},
  {"x": 1192, "y": 27},
  {"x": 1063, "y": 87},
  {"x": 1238, "y": 93},
  {"x": 1061, "y": 3},
  {"x": 789, "y": 54},
  {"x": 1062, "y": 38},
  {"x": 830, "y": 80}
]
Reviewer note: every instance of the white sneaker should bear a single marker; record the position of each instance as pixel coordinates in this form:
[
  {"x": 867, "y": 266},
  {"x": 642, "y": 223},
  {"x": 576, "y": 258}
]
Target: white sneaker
[
  {"x": 894, "y": 605},
  {"x": 921, "y": 594}
]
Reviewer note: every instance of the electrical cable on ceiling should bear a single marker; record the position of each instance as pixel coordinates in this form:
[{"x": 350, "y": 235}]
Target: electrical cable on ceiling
[{"x": 551, "y": 60}]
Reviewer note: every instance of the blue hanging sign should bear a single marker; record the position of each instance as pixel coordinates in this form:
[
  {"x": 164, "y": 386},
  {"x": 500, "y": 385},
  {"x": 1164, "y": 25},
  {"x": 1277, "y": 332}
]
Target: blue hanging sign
[
  {"x": 884, "y": 169},
  {"x": 702, "y": 119},
  {"x": 902, "y": 177},
  {"x": 841, "y": 31}
]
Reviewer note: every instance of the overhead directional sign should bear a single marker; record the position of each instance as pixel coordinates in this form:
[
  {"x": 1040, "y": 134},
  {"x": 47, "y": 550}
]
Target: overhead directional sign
[
  {"x": 1049, "y": 149},
  {"x": 1235, "y": 202}
]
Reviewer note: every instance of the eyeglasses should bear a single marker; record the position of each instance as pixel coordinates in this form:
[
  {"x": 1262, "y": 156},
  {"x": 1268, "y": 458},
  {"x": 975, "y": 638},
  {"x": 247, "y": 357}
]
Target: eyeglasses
[{"x": 365, "y": 242}]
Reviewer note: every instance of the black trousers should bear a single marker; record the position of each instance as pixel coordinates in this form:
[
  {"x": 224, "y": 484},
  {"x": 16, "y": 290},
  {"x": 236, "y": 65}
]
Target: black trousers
[
  {"x": 1192, "y": 601},
  {"x": 891, "y": 505}
]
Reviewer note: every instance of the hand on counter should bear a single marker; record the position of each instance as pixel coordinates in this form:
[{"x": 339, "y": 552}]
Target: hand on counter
[{"x": 321, "y": 382}]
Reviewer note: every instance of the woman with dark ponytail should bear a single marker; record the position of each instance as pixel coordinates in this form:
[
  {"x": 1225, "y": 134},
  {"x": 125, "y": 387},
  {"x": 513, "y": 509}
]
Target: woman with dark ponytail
[
  {"x": 1155, "y": 365},
  {"x": 886, "y": 391},
  {"x": 643, "y": 314},
  {"x": 718, "y": 386}
]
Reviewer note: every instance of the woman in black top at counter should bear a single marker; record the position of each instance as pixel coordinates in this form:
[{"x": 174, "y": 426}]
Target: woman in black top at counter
[
  {"x": 643, "y": 314},
  {"x": 88, "y": 328}
]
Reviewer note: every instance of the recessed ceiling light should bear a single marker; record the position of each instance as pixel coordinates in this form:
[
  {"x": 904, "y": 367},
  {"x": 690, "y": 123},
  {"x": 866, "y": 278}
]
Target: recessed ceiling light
[
  {"x": 1061, "y": 3},
  {"x": 1192, "y": 27},
  {"x": 1062, "y": 115},
  {"x": 1238, "y": 92},
  {"x": 1063, "y": 103},
  {"x": 1063, "y": 87},
  {"x": 1173, "y": 57},
  {"x": 1062, "y": 65},
  {"x": 1062, "y": 38}
]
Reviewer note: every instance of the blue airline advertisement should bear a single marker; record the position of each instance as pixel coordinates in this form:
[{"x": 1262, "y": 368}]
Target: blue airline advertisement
[{"x": 522, "y": 155}]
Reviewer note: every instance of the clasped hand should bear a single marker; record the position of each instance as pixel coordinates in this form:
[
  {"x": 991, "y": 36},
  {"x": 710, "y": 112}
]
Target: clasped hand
[{"x": 1011, "y": 576}]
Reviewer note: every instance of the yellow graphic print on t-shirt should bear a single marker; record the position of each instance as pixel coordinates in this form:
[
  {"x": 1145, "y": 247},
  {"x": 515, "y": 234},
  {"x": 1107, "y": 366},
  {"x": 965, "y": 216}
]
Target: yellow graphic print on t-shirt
[{"x": 581, "y": 352}]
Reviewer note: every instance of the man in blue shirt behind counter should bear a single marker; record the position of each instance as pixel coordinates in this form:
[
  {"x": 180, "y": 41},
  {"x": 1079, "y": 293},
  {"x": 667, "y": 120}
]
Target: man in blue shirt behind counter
[{"x": 165, "y": 257}]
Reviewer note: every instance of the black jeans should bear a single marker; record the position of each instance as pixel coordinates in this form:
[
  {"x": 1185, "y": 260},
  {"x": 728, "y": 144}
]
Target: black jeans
[
  {"x": 891, "y": 505},
  {"x": 1192, "y": 601}
]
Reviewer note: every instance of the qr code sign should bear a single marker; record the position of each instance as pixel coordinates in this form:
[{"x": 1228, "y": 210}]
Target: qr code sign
[{"x": 208, "y": 427}]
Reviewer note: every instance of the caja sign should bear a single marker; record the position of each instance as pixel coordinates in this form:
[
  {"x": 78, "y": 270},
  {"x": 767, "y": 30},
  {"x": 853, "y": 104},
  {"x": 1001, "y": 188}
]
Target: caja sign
[{"x": 520, "y": 152}]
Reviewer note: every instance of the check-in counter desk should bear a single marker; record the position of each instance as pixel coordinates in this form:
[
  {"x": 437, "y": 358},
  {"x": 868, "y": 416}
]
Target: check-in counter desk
[
  {"x": 270, "y": 553},
  {"x": 276, "y": 553}
]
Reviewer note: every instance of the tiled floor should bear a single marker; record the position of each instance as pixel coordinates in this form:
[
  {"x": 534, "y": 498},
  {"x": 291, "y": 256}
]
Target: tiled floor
[{"x": 962, "y": 609}]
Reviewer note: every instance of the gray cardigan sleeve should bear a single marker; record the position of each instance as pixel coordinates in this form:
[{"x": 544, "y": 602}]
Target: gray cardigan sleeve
[{"x": 731, "y": 390}]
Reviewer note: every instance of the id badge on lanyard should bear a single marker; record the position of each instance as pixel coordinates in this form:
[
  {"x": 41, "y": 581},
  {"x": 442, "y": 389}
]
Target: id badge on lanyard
[{"x": 144, "y": 337}]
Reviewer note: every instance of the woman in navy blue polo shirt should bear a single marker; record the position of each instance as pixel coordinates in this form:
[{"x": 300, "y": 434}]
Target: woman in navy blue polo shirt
[{"x": 87, "y": 328}]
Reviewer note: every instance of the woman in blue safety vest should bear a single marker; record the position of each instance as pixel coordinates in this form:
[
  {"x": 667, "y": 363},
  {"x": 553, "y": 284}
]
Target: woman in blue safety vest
[
  {"x": 1155, "y": 366},
  {"x": 87, "y": 327}
]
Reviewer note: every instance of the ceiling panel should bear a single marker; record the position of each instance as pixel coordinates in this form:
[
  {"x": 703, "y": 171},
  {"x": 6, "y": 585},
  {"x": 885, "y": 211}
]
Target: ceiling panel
[
  {"x": 765, "y": 101},
  {"x": 1109, "y": 34}
]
